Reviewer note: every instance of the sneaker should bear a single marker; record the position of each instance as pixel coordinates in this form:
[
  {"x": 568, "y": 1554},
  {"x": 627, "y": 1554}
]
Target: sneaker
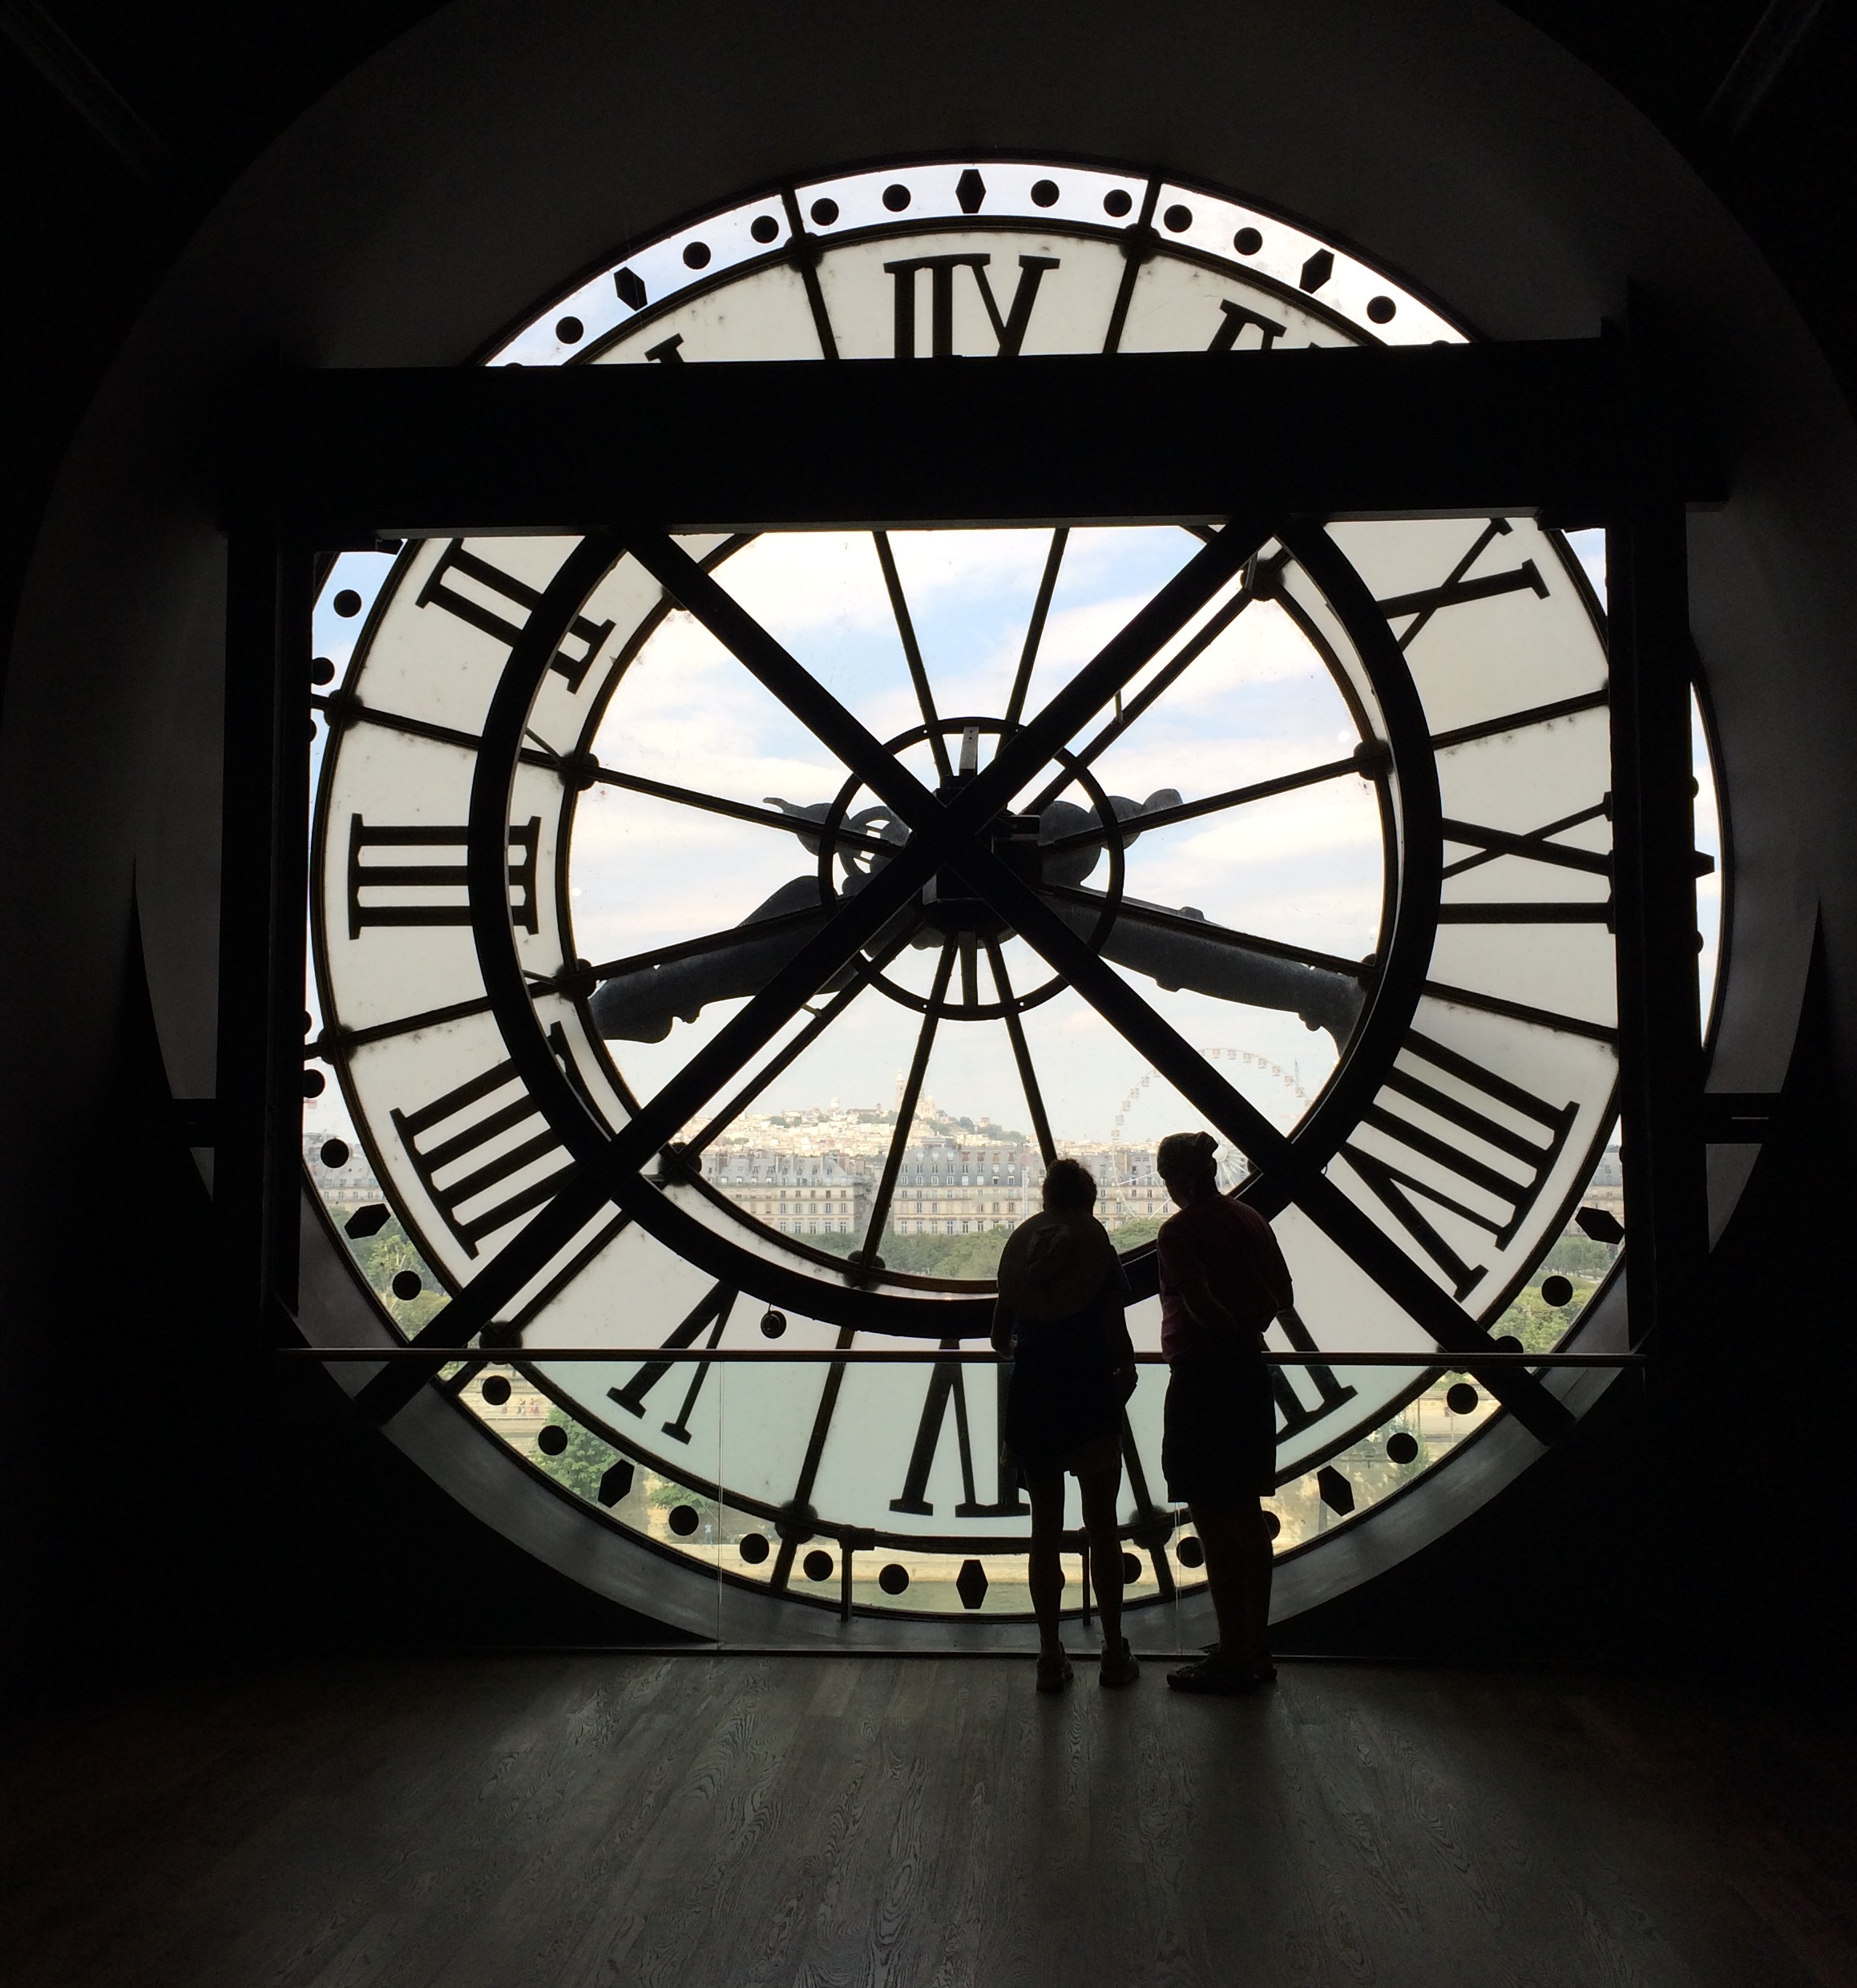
[
  {"x": 1054, "y": 1671},
  {"x": 1263, "y": 1665},
  {"x": 1218, "y": 1675},
  {"x": 1120, "y": 1667}
]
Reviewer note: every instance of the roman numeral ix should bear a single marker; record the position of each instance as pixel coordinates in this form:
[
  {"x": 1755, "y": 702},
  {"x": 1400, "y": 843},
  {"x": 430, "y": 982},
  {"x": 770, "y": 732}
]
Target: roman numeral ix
[
  {"x": 376, "y": 890},
  {"x": 1457, "y": 588}
]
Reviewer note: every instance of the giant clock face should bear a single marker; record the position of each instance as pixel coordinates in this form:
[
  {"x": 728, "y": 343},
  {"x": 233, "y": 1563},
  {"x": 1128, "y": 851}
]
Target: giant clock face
[{"x": 1325, "y": 867}]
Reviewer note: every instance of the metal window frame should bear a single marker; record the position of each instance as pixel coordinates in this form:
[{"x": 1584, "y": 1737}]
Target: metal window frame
[{"x": 1581, "y": 433}]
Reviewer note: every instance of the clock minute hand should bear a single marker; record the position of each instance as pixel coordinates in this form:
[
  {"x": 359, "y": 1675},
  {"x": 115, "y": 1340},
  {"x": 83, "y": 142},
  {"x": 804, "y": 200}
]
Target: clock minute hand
[{"x": 638, "y": 1003}]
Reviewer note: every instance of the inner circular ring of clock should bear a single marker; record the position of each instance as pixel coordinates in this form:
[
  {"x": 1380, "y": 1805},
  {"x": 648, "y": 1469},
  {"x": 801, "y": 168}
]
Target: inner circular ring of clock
[{"x": 716, "y": 936}]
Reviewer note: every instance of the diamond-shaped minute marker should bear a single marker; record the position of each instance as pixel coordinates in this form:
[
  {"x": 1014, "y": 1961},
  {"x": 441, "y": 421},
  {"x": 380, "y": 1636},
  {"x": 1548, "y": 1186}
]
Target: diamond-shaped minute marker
[
  {"x": 971, "y": 1584},
  {"x": 631, "y": 287},
  {"x": 1337, "y": 1492},
  {"x": 1601, "y": 1224},
  {"x": 1316, "y": 270},
  {"x": 970, "y": 190},
  {"x": 616, "y": 1484}
]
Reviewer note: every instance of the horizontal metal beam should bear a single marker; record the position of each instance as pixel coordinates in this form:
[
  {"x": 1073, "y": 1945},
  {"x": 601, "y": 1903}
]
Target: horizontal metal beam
[
  {"x": 348, "y": 457},
  {"x": 933, "y": 1356}
]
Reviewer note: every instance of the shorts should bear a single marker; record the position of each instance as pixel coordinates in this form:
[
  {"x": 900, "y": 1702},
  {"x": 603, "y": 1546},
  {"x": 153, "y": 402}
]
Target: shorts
[
  {"x": 1219, "y": 1444},
  {"x": 1063, "y": 1414}
]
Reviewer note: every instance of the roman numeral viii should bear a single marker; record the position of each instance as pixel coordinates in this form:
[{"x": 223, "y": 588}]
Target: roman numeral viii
[
  {"x": 467, "y": 1158},
  {"x": 479, "y": 593},
  {"x": 1426, "y": 1167},
  {"x": 380, "y": 893}
]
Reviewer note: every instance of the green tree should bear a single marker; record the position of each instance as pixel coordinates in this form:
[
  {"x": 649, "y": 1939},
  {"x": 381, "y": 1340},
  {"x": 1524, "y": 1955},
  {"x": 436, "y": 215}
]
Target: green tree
[
  {"x": 582, "y": 1465},
  {"x": 973, "y": 1258},
  {"x": 1540, "y": 1326},
  {"x": 384, "y": 1255}
]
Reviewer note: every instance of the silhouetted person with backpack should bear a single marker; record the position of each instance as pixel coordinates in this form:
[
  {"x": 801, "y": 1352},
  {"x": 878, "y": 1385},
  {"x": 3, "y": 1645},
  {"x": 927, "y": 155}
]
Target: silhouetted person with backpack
[{"x": 1059, "y": 1317}]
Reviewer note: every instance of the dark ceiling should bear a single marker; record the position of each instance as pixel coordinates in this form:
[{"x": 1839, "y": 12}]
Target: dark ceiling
[{"x": 123, "y": 123}]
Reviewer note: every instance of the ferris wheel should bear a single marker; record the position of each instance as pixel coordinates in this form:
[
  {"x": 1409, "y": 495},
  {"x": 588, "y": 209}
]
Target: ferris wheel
[{"x": 1287, "y": 1078}]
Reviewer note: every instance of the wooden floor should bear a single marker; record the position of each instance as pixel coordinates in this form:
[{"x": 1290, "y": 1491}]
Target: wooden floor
[{"x": 528, "y": 1821}]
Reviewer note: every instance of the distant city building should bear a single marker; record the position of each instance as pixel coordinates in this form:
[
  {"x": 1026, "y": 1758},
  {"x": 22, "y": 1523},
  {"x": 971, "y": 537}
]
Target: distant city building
[
  {"x": 797, "y": 1194},
  {"x": 816, "y": 1172},
  {"x": 339, "y": 1186}
]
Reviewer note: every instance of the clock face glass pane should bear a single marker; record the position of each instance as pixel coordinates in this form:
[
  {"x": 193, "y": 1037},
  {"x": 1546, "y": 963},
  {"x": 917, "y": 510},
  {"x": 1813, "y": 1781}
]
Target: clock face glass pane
[{"x": 1339, "y": 838}]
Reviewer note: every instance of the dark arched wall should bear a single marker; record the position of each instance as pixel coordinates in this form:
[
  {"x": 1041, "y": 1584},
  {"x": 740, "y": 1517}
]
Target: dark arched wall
[{"x": 484, "y": 159}]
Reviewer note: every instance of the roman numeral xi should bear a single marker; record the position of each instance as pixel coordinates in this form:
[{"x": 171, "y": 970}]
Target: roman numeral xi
[{"x": 479, "y": 594}]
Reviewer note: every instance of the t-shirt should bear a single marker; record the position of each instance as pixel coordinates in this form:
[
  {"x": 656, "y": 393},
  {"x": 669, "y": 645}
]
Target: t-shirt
[{"x": 1230, "y": 1247}]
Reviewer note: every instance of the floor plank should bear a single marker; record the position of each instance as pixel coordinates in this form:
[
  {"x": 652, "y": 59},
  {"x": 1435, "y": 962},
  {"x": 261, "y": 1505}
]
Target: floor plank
[{"x": 580, "y": 1821}]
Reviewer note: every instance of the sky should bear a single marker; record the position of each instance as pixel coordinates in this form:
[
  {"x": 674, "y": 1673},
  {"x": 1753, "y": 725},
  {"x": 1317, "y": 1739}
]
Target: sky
[{"x": 1304, "y": 868}]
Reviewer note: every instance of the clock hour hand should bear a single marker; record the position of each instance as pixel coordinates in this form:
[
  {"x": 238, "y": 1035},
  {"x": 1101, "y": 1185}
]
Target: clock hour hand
[{"x": 1184, "y": 949}]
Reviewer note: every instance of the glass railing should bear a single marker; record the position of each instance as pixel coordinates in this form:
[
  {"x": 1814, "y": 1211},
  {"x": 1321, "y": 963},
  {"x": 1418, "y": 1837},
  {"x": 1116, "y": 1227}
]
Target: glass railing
[{"x": 868, "y": 1484}]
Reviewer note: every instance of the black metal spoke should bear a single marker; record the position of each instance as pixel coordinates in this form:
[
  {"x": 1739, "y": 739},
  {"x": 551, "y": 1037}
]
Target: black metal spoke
[
  {"x": 1022, "y": 1055},
  {"x": 803, "y": 260},
  {"x": 1149, "y": 693},
  {"x": 802, "y": 1497},
  {"x": 341, "y": 708},
  {"x": 347, "y": 1040},
  {"x": 1034, "y": 628},
  {"x": 1520, "y": 1011},
  {"x": 1119, "y": 659},
  {"x": 738, "y": 810},
  {"x": 790, "y": 680},
  {"x": 912, "y": 654},
  {"x": 1216, "y": 803},
  {"x": 866, "y": 970},
  {"x": 925, "y": 1041},
  {"x": 1134, "y": 240},
  {"x": 1204, "y": 928},
  {"x": 1520, "y": 721}
]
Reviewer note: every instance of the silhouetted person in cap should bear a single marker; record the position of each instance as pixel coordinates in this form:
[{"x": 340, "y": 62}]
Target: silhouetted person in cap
[{"x": 1223, "y": 1279}]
